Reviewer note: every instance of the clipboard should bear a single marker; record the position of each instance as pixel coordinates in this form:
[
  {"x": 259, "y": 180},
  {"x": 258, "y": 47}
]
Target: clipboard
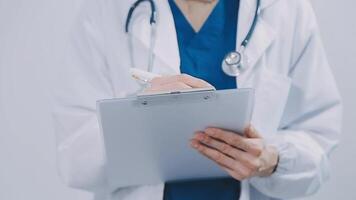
[{"x": 147, "y": 137}]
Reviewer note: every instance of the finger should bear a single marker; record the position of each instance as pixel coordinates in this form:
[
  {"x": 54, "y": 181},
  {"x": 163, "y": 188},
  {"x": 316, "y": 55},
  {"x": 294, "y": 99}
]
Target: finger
[
  {"x": 164, "y": 80},
  {"x": 240, "y": 173},
  {"x": 228, "y": 137},
  {"x": 245, "y": 158},
  {"x": 255, "y": 146},
  {"x": 233, "y": 173},
  {"x": 216, "y": 144},
  {"x": 251, "y": 132},
  {"x": 214, "y": 155},
  {"x": 236, "y": 168},
  {"x": 168, "y": 86},
  {"x": 194, "y": 82},
  {"x": 184, "y": 78}
]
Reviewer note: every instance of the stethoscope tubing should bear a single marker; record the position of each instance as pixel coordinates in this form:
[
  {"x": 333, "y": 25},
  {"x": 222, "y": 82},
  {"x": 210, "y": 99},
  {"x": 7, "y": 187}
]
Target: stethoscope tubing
[
  {"x": 253, "y": 26},
  {"x": 153, "y": 17},
  {"x": 153, "y": 21}
]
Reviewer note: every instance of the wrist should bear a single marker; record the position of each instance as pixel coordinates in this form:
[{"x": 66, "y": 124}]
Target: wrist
[{"x": 271, "y": 161}]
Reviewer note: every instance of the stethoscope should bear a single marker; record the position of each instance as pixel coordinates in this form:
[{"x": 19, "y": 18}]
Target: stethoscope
[{"x": 234, "y": 62}]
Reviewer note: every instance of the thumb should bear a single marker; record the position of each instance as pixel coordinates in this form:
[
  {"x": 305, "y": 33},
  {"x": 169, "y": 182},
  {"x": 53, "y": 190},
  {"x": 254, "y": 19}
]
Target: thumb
[{"x": 251, "y": 132}]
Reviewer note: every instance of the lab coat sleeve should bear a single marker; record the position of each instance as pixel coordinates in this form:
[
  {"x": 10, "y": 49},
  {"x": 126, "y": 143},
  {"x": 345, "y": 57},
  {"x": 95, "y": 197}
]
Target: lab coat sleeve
[
  {"x": 78, "y": 84},
  {"x": 311, "y": 122}
]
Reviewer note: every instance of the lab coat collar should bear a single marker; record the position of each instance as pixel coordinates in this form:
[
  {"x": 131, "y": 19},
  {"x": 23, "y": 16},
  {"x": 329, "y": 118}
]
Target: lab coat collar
[{"x": 166, "y": 46}]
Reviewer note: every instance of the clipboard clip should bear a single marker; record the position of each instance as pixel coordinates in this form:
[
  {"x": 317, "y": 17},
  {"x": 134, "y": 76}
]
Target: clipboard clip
[
  {"x": 198, "y": 94},
  {"x": 174, "y": 92}
]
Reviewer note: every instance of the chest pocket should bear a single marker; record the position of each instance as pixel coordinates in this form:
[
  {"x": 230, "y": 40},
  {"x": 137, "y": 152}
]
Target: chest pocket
[{"x": 271, "y": 94}]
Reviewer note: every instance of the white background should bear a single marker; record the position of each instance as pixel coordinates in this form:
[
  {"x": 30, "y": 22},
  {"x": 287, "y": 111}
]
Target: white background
[{"x": 31, "y": 40}]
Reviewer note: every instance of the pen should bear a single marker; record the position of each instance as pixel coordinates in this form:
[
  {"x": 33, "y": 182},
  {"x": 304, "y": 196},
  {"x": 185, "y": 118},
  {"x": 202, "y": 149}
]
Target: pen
[{"x": 143, "y": 76}]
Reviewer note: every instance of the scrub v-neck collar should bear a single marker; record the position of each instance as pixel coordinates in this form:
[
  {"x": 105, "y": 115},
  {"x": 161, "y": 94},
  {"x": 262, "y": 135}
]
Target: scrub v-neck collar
[{"x": 213, "y": 25}]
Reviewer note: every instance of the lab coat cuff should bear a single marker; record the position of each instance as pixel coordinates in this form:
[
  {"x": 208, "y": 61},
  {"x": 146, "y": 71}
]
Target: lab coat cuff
[
  {"x": 287, "y": 155},
  {"x": 298, "y": 168}
]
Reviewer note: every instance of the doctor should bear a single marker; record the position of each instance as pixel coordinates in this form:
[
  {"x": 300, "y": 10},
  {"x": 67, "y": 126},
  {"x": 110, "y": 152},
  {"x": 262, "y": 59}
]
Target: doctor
[{"x": 297, "y": 115}]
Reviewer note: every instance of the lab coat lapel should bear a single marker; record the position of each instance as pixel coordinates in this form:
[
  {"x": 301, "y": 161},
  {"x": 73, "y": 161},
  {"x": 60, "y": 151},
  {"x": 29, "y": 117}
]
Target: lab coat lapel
[
  {"x": 166, "y": 43},
  {"x": 262, "y": 37},
  {"x": 166, "y": 50}
]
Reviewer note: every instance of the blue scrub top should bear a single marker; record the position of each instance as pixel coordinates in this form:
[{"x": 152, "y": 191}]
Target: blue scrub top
[
  {"x": 202, "y": 53},
  {"x": 201, "y": 56}
]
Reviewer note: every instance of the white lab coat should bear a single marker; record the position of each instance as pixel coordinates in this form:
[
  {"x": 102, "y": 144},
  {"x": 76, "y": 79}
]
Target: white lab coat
[{"x": 297, "y": 105}]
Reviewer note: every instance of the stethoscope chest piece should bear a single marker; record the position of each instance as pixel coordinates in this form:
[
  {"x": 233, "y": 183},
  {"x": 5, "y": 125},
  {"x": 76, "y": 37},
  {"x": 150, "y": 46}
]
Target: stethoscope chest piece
[
  {"x": 233, "y": 63},
  {"x": 236, "y": 62}
]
